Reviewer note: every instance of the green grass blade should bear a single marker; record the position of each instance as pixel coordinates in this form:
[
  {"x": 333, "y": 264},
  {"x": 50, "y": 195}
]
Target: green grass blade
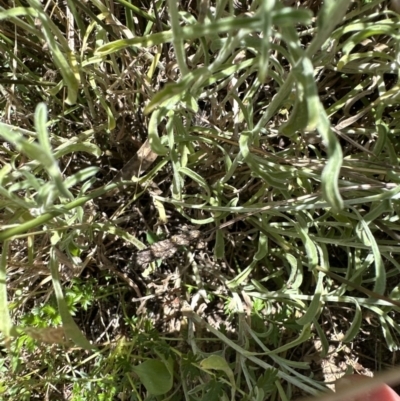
[
  {"x": 331, "y": 173},
  {"x": 68, "y": 70},
  {"x": 315, "y": 305},
  {"x": 354, "y": 328},
  {"x": 6, "y": 326},
  {"x": 45, "y": 147},
  {"x": 72, "y": 331}
]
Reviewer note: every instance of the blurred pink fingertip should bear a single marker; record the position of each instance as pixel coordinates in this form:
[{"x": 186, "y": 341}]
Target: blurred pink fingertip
[{"x": 382, "y": 393}]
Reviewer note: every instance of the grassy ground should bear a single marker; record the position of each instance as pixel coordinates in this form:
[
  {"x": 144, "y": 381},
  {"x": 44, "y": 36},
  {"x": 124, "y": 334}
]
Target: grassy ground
[{"x": 199, "y": 200}]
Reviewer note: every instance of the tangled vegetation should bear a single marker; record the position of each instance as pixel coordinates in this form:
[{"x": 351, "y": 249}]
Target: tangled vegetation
[{"x": 199, "y": 199}]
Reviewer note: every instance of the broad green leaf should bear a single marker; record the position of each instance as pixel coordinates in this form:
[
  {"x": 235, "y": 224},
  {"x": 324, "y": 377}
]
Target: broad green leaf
[
  {"x": 155, "y": 376},
  {"x": 216, "y": 362}
]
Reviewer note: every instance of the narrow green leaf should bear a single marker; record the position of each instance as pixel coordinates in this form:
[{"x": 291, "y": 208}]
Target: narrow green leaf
[
  {"x": 42, "y": 219},
  {"x": 372, "y": 30},
  {"x": 391, "y": 344},
  {"x": 196, "y": 31},
  {"x": 4, "y": 172},
  {"x": 380, "y": 272},
  {"x": 322, "y": 337},
  {"x": 197, "y": 178},
  {"x": 67, "y": 70},
  {"x": 72, "y": 331},
  {"x": 331, "y": 14},
  {"x": 377, "y": 210},
  {"x": 83, "y": 175},
  {"x": 298, "y": 119},
  {"x": 311, "y": 249},
  {"x": 331, "y": 172},
  {"x": 303, "y": 336},
  {"x": 262, "y": 248},
  {"x": 34, "y": 151},
  {"x": 140, "y": 41},
  {"x": 111, "y": 123},
  {"x": 354, "y": 328},
  {"x": 242, "y": 276},
  {"x": 266, "y": 22},
  {"x": 17, "y": 12},
  {"x": 315, "y": 305},
  {"x": 154, "y": 139},
  {"x": 219, "y": 248},
  {"x": 45, "y": 148},
  {"x": 255, "y": 164},
  {"x": 177, "y": 39},
  {"x": 296, "y": 273},
  {"x": 6, "y": 326}
]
